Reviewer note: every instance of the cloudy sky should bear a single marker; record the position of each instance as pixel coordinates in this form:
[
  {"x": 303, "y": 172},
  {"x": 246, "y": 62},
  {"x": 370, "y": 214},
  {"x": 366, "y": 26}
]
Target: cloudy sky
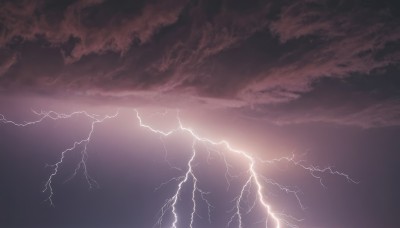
[{"x": 318, "y": 79}]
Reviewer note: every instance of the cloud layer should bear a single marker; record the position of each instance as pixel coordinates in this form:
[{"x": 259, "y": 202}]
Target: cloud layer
[{"x": 248, "y": 54}]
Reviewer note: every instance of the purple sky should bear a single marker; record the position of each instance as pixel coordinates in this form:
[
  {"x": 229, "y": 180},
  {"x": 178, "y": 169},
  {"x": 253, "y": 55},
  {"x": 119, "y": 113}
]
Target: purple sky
[{"x": 319, "y": 79}]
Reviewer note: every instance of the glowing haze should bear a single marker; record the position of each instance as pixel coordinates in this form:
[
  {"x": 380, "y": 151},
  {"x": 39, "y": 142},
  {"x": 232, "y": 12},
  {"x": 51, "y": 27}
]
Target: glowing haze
[{"x": 199, "y": 113}]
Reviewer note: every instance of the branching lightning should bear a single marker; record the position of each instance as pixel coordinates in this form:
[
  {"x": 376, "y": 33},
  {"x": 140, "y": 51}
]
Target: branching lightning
[
  {"x": 253, "y": 178},
  {"x": 95, "y": 119},
  {"x": 255, "y": 182}
]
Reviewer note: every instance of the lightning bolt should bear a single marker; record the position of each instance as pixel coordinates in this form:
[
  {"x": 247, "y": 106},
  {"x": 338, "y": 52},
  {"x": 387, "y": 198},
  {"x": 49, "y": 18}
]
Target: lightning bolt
[
  {"x": 254, "y": 178},
  {"x": 83, "y": 143},
  {"x": 254, "y": 182}
]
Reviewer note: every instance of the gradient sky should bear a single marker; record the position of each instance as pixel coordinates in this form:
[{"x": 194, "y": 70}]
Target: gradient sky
[{"x": 316, "y": 78}]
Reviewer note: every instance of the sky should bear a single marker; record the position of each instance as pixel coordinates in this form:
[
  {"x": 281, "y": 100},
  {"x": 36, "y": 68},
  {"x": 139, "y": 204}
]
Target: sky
[{"x": 316, "y": 81}]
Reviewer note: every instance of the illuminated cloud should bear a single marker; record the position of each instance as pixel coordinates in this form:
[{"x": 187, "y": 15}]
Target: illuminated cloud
[{"x": 218, "y": 53}]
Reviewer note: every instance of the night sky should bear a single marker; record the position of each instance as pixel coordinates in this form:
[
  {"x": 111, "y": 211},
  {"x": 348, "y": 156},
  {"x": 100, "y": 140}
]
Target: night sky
[{"x": 313, "y": 80}]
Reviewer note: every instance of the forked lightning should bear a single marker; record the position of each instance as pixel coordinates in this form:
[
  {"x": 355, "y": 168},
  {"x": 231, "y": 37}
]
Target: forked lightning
[{"x": 254, "y": 179}]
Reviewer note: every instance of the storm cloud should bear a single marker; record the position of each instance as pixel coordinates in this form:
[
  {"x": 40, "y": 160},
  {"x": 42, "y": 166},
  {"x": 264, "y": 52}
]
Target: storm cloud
[{"x": 254, "y": 56}]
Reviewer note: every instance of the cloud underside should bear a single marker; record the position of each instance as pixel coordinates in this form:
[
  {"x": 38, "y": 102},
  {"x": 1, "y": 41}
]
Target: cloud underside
[{"x": 221, "y": 53}]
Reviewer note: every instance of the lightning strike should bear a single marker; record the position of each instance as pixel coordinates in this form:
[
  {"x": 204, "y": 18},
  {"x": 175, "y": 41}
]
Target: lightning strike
[
  {"x": 253, "y": 176},
  {"x": 95, "y": 119},
  {"x": 254, "y": 179}
]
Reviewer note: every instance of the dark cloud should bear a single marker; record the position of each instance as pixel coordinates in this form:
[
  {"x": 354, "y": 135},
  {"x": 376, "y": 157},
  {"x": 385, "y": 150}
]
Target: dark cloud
[
  {"x": 7, "y": 60},
  {"x": 223, "y": 53},
  {"x": 90, "y": 25},
  {"x": 337, "y": 42},
  {"x": 364, "y": 101}
]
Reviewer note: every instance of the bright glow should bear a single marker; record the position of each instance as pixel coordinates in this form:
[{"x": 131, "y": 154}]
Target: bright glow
[{"x": 253, "y": 177}]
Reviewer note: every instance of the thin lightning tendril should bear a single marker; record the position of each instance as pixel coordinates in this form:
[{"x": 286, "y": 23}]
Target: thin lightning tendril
[
  {"x": 254, "y": 180},
  {"x": 48, "y": 186}
]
